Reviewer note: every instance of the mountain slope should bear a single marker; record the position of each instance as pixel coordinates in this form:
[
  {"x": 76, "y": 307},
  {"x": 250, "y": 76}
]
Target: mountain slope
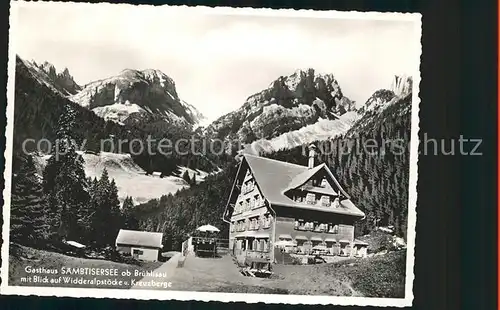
[
  {"x": 377, "y": 178},
  {"x": 131, "y": 180},
  {"x": 400, "y": 88},
  {"x": 39, "y": 105},
  {"x": 323, "y": 129},
  {"x": 135, "y": 96},
  {"x": 378, "y": 184},
  {"x": 288, "y": 104},
  {"x": 62, "y": 81}
]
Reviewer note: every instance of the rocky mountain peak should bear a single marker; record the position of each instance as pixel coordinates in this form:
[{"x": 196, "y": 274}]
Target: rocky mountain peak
[
  {"x": 289, "y": 103},
  {"x": 46, "y": 72},
  {"x": 48, "y": 68},
  {"x": 66, "y": 73},
  {"x": 138, "y": 96},
  {"x": 402, "y": 85}
]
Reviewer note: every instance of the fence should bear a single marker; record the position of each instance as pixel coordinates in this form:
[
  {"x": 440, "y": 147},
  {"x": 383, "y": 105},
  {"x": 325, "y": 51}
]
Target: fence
[
  {"x": 212, "y": 246},
  {"x": 222, "y": 246},
  {"x": 187, "y": 246}
]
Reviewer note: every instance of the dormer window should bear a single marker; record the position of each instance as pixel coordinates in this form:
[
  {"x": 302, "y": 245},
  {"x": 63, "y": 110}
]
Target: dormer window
[
  {"x": 335, "y": 203},
  {"x": 311, "y": 199},
  {"x": 324, "y": 183}
]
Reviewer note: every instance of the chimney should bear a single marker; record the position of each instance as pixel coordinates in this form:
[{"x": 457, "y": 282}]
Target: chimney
[{"x": 312, "y": 153}]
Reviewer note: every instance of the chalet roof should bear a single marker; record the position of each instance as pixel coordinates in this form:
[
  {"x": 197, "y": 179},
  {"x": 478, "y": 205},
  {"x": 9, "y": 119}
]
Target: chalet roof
[
  {"x": 319, "y": 190},
  {"x": 139, "y": 238},
  {"x": 275, "y": 177},
  {"x": 304, "y": 176},
  {"x": 359, "y": 242}
]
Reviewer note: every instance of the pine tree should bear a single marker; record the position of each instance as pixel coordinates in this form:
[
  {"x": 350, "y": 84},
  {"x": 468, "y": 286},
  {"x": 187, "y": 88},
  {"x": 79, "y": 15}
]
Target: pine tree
[
  {"x": 129, "y": 220},
  {"x": 106, "y": 218},
  {"x": 116, "y": 221},
  {"x": 186, "y": 177},
  {"x": 28, "y": 221}
]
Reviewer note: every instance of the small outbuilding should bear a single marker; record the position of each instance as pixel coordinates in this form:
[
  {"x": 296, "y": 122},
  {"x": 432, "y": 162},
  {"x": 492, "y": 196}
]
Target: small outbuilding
[
  {"x": 360, "y": 248},
  {"x": 142, "y": 245}
]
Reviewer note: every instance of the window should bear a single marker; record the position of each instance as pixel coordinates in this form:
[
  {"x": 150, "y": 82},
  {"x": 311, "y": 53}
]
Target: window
[
  {"x": 267, "y": 221},
  {"x": 335, "y": 203},
  {"x": 138, "y": 252},
  {"x": 259, "y": 201},
  {"x": 299, "y": 224},
  {"x": 323, "y": 183},
  {"x": 325, "y": 201},
  {"x": 334, "y": 229}
]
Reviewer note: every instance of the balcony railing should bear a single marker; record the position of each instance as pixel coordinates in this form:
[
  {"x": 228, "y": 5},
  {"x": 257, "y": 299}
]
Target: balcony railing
[{"x": 329, "y": 230}]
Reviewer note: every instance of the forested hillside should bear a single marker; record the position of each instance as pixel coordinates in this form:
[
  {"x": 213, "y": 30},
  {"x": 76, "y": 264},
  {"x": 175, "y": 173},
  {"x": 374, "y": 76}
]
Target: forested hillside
[
  {"x": 37, "y": 110},
  {"x": 376, "y": 180},
  {"x": 64, "y": 204},
  {"x": 179, "y": 215},
  {"x": 372, "y": 162}
]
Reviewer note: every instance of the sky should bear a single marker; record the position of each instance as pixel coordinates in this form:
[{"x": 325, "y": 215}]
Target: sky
[{"x": 216, "y": 59}]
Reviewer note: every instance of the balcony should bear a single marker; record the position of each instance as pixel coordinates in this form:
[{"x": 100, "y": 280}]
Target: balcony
[{"x": 321, "y": 227}]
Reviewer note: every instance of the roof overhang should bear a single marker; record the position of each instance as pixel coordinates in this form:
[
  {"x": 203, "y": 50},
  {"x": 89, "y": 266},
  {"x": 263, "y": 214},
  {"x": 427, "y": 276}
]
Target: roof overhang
[{"x": 333, "y": 210}]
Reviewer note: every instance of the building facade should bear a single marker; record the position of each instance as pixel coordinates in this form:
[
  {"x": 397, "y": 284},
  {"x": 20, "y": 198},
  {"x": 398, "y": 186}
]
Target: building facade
[{"x": 298, "y": 209}]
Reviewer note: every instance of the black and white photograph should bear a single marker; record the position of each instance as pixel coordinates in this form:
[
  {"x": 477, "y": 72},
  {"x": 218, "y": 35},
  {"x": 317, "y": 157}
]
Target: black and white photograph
[{"x": 212, "y": 154}]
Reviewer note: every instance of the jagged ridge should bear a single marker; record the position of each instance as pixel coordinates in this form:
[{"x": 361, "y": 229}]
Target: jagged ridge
[
  {"x": 289, "y": 103},
  {"x": 135, "y": 96}
]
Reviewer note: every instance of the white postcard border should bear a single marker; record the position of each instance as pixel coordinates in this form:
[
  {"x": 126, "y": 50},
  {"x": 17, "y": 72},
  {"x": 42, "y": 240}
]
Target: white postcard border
[{"x": 5, "y": 289}]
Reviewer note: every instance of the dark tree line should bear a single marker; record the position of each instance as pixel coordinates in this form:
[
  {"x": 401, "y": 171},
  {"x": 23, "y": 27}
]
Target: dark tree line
[
  {"x": 64, "y": 204},
  {"x": 29, "y": 216},
  {"x": 177, "y": 216},
  {"x": 375, "y": 177},
  {"x": 38, "y": 109},
  {"x": 377, "y": 182}
]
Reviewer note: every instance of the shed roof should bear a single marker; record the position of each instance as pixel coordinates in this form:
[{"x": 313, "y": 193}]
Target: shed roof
[{"x": 139, "y": 238}]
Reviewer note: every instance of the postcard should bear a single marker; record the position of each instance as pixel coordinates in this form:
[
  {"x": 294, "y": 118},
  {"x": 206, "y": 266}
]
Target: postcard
[{"x": 211, "y": 153}]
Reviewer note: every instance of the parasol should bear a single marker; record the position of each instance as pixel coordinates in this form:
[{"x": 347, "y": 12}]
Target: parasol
[{"x": 208, "y": 228}]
